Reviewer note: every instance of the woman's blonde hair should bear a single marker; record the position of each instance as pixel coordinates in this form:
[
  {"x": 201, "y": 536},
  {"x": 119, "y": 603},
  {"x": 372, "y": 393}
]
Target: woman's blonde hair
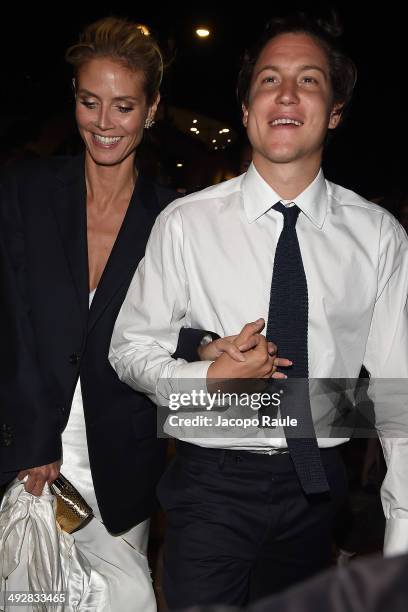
[{"x": 124, "y": 41}]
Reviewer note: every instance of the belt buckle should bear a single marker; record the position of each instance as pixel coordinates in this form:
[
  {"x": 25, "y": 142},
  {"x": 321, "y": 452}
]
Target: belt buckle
[{"x": 271, "y": 452}]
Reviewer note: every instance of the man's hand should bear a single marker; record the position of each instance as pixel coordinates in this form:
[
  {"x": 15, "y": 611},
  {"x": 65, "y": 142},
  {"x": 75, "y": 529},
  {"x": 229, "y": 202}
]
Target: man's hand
[
  {"x": 38, "y": 476},
  {"x": 259, "y": 360}
]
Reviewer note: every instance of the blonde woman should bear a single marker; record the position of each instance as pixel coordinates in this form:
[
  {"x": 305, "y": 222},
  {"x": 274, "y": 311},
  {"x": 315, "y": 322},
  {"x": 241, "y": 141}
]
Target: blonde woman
[{"x": 84, "y": 227}]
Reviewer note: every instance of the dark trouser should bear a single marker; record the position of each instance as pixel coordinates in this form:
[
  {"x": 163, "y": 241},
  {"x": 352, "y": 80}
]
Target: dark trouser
[{"x": 239, "y": 526}]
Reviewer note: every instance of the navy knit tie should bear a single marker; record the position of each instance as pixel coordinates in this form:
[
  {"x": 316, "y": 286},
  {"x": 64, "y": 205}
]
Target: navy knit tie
[{"x": 287, "y": 328}]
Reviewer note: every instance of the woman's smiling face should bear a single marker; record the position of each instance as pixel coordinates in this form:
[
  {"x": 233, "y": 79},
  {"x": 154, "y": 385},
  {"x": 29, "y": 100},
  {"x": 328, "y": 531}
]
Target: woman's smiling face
[{"x": 111, "y": 109}]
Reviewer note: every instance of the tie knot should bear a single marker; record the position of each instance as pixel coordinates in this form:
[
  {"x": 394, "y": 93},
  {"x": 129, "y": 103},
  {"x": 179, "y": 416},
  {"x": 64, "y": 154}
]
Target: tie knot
[{"x": 290, "y": 213}]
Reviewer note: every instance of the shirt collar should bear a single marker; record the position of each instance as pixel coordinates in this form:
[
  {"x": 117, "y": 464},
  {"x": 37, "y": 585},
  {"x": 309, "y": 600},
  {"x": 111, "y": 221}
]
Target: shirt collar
[{"x": 259, "y": 197}]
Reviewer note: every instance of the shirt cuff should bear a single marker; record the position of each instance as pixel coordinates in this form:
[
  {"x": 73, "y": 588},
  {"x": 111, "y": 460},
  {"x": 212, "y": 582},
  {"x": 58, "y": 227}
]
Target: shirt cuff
[
  {"x": 193, "y": 370},
  {"x": 396, "y": 537},
  {"x": 187, "y": 377}
]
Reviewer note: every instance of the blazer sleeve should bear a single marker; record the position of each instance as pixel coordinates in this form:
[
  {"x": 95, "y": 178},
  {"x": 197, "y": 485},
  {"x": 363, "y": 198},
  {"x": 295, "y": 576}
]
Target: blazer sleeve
[
  {"x": 188, "y": 342},
  {"x": 30, "y": 426}
]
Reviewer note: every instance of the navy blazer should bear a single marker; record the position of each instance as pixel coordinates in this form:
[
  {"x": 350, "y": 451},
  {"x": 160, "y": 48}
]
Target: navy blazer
[
  {"x": 46, "y": 201},
  {"x": 29, "y": 426}
]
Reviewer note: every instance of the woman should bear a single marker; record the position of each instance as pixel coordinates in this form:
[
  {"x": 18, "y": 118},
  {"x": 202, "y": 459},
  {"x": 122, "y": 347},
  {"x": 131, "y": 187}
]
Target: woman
[
  {"x": 85, "y": 223},
  {"x": 82, "y": 227}
]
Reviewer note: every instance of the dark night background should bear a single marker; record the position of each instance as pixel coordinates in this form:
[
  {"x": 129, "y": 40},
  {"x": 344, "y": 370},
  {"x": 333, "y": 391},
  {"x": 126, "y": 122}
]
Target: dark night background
[{"x": 366, "y": 155}]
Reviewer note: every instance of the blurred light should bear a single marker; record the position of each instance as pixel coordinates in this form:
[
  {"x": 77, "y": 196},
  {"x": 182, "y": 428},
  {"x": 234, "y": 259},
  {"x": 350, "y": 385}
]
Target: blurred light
[
  {"x": 224, "y": 131},
  {"x": 215, "y": 148},
  {"x": 214, "y": 140},
  {"x": 179, "y": 165},
  {"x": 202, "y": 32},
  {"x": 197, "y": 131},
  {"x": 229, "y": 140},
  {"x": 193, "y": 129},
  {"x": 144, "y": 29},
  {"x": 194, "y": 120}
]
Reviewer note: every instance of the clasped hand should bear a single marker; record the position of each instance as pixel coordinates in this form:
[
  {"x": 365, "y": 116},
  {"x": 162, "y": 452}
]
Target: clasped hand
[{"x": 245, "y": 355}]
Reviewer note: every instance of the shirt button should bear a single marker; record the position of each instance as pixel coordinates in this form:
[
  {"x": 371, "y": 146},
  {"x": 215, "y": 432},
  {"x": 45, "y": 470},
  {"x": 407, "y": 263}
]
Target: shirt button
[
  {"x": 6, "y": 435},
  {"x": 74, "y": 358}
]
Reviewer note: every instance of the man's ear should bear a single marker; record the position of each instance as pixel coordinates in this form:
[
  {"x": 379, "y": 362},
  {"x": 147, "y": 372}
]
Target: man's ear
[
  {"x": 335, "y": 116},
  {"x": 244, "y": 115}
]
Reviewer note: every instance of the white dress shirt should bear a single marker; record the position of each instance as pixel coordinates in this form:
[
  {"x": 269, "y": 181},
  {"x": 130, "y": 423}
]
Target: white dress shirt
[{"x": 208, "y": 265}]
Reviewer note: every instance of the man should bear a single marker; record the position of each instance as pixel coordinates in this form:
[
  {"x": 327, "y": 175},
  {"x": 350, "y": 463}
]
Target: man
[{"x": 250, "y": 517}]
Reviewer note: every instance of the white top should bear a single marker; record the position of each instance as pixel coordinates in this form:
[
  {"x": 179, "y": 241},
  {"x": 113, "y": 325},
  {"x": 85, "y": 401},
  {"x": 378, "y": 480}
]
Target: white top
[
  {"x": 75, "y": 465},
  {"x": 35, "y": 555},
  {"x": 209, "y": 263}
]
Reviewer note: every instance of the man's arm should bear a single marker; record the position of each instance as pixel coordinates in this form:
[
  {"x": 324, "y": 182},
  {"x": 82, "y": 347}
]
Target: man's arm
[
  {"x": 155, "y": 309},
  {"x": 386, "y": 359}
]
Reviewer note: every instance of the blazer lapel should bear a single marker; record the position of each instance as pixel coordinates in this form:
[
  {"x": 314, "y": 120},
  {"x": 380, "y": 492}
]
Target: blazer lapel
[
  {"x": 129, "y": 247},
  {"x": 70, "y": 211}
]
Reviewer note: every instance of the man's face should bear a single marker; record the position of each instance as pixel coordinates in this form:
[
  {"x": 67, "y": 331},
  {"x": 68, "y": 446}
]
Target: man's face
[{"x": 290, "y": 103}]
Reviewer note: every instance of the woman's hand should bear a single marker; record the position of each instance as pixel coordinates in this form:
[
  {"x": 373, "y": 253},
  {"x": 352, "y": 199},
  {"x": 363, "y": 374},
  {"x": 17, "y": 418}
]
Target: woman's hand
[
  {"x": 38, "y": 476},
  {"x": 214, "y": 349}
]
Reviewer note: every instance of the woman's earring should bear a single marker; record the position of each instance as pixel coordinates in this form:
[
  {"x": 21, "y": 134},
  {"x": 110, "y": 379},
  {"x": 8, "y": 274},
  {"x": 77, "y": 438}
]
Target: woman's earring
[{"x": 149, "y": 123}]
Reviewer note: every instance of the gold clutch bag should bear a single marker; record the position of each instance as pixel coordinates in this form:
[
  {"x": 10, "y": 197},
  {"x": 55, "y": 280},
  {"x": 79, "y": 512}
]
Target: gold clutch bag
[{"x": 72, "y": 510}]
